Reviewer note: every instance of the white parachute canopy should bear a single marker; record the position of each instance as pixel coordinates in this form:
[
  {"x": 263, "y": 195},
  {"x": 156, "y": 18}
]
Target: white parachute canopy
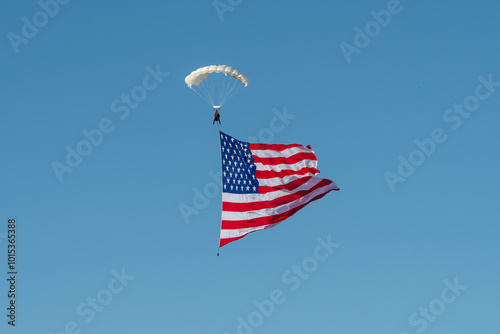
[{"x": 216, "y": 83}]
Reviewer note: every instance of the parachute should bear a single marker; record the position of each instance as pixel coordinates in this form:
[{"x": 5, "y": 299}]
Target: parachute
[{"x": 216, "y": 84}]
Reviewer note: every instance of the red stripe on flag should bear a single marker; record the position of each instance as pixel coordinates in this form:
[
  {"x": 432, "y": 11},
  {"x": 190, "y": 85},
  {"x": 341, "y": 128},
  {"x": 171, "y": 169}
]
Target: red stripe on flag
[
  {"x": 228, "y": 240},
  {"x": 274, "y": 147},
  {"x": 282, "y": 160}
]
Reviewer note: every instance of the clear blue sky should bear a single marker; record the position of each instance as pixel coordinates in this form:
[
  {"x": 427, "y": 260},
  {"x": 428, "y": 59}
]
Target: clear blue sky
[{"x": 119, "y": 207}]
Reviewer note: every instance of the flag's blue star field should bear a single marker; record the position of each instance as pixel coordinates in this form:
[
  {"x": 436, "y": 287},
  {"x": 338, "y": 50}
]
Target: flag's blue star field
[{"x": 238, "y": 168}]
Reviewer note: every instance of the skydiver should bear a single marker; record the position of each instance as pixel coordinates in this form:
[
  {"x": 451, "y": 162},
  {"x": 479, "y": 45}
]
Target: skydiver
[{"x": 216, "y": 117}]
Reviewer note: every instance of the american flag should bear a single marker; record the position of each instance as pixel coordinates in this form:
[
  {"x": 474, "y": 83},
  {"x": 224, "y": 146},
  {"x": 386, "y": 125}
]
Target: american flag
[{"x": 263, "y": 184}]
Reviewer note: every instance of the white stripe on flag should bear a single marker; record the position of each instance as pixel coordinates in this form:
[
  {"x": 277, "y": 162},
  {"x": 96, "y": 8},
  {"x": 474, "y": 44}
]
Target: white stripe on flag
[
  {"x": 250, "y": 198},
  {"x": 277, "y": 181},
  {"x": 281, "y": 154},
  {"x": 296, "y": 166}
]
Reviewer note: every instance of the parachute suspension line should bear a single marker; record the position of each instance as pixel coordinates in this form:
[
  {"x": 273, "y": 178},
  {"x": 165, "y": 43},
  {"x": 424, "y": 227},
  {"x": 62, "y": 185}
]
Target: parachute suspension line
[
  {"x": 229, "y": 83},
  {"x": 220, "y": 84},
  {"x": 229, "y": 90},
  {"x": 216, "y": 89},
  {"x": 203, "y": 89},
  {"x": 209, "y": 88},
  {"x": 211, "y": 81},
  {"x": 232, "y": 91},
  {"x": 221, "y": 91},
  {"x": 202, "y": 96},
  {"x": 235, "y": 88},
  {"x": 212, "y": 89}
]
